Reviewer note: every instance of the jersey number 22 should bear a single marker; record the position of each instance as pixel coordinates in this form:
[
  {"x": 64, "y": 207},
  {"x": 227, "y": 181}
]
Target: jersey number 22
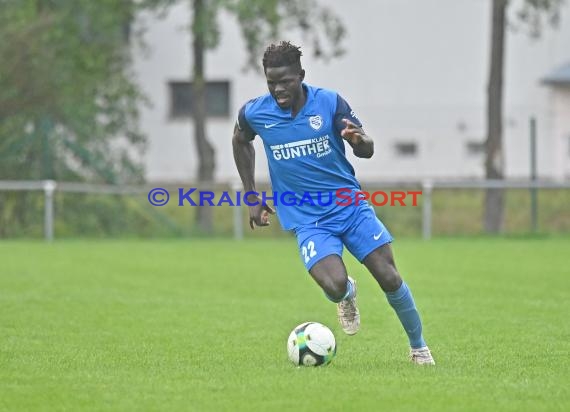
[{"x": 309, "y": 251}]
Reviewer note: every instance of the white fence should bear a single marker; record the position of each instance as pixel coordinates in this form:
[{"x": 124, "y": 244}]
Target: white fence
[{"x": 49, "y": 187}]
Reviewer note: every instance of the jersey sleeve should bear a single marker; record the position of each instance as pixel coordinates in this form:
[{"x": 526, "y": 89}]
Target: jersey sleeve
[
  {"x": 344, "y": 111},
  {"x": 243, "y": 124}
]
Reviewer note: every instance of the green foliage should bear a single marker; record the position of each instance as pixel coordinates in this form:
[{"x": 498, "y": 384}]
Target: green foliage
[
  {"x": 534, "y": 14},
  {"x": 68, "y": 103},
  {"x": 262, "y": 21},
  {"x": 88, "y": 215}
]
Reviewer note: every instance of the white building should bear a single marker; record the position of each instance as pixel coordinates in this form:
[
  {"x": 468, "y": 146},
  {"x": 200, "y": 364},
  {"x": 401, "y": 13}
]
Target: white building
[{"x": 416, "y": 73}]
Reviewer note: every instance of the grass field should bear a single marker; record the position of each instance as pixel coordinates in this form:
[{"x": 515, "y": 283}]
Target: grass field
[{"x": 202, "y": 326}]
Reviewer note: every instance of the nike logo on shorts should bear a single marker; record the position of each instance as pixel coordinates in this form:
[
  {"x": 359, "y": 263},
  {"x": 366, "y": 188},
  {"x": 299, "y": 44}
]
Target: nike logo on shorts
[
  {"x": 376, "y": 237},
  {"x": 269, "y": 126}
]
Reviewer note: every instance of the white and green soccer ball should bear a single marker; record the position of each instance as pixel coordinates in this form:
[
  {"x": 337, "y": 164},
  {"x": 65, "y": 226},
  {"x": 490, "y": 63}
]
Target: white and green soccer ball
[{"x": 311, "y": 344}]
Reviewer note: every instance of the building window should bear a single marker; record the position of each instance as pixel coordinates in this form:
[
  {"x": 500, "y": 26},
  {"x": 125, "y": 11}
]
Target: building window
[
  {"x": 475, "y": 148},
  {"x": 406, "y": 149},
  {"x": 182, "y": 102}
]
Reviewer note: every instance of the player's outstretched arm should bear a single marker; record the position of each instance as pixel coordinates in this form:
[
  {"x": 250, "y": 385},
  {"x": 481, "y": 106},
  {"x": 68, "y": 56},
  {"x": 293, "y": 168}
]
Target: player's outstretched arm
[
  {"x": 362, "y": 145},
  {"x": 244, "y": 156}
]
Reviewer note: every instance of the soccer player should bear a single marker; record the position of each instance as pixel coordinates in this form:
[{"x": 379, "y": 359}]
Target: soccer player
[{"x": 303, "y": 129}]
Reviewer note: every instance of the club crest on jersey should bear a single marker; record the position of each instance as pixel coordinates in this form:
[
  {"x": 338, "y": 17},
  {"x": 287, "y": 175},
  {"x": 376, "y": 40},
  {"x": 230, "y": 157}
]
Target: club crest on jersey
[{"x": 316, "y": 122}]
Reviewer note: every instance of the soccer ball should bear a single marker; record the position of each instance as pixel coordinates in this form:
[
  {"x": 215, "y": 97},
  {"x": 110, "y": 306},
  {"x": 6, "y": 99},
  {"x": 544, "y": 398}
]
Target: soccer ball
[{"x": 311, "y": 344}]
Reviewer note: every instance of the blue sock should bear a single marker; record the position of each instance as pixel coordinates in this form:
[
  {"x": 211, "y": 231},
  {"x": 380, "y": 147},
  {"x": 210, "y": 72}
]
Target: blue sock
[
  {"x": 349, "y": 293},
  {"x": 403, "y": 303}
]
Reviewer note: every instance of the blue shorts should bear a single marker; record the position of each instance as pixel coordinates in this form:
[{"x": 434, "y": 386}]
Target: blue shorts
[{"x": 357, "y": 228}]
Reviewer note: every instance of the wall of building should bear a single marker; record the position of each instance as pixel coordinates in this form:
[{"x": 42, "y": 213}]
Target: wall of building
[
  {"x": 414, "y": 71},
  {"x": 560, "y": 129}
]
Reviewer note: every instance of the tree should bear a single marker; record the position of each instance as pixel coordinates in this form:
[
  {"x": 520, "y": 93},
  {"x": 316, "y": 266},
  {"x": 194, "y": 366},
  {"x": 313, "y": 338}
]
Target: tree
[
  {"x": 68, "y": 106},
  {"x": 206, "y": 155},
  {"x": 260, "y": 22},
  {"x": 530, "y": 16}
]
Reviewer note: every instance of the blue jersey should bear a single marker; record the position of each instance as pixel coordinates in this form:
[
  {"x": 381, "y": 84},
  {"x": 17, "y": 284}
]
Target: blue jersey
[{"x": 306, "y": 154}]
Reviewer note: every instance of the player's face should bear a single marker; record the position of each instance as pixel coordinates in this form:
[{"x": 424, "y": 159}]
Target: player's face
[{"x": 284, "y": 84}]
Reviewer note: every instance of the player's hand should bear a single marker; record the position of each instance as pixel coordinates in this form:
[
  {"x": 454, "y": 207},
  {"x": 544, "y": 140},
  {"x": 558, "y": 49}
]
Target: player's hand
[
  {"x": 259, "y": 214},
  {"x": 352, "y": 132}
]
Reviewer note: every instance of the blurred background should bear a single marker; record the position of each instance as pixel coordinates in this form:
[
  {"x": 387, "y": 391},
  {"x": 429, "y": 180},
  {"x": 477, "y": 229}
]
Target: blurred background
[{"x": 467, "y": 100}]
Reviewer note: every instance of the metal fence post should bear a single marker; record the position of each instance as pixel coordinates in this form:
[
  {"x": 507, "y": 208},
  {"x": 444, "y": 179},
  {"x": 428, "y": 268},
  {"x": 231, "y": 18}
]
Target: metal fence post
[
  {"x": 238, "y": 216},
  {"x": 49, "y": 188},
  {"x": 533, "y": 176},
  {"x": 427, "y": 188}
]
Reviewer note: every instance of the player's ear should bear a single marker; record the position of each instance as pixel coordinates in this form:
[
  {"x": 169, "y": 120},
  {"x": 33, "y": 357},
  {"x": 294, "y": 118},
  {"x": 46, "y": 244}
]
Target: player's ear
[{"x": 302, "y": 74}]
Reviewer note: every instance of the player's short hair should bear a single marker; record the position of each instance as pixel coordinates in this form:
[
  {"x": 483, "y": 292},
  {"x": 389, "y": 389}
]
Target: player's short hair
[{"x": 282, "y": 54}]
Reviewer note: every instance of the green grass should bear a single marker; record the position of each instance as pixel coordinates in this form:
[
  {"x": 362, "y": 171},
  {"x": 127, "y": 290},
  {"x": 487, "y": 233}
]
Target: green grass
[{"x": 202, "y": 326}]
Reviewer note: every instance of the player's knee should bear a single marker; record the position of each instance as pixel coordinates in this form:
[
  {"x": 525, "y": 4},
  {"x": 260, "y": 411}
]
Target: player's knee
[
  {"x": 391, "y": 280},
  {"x": 394, "y": 284}
]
